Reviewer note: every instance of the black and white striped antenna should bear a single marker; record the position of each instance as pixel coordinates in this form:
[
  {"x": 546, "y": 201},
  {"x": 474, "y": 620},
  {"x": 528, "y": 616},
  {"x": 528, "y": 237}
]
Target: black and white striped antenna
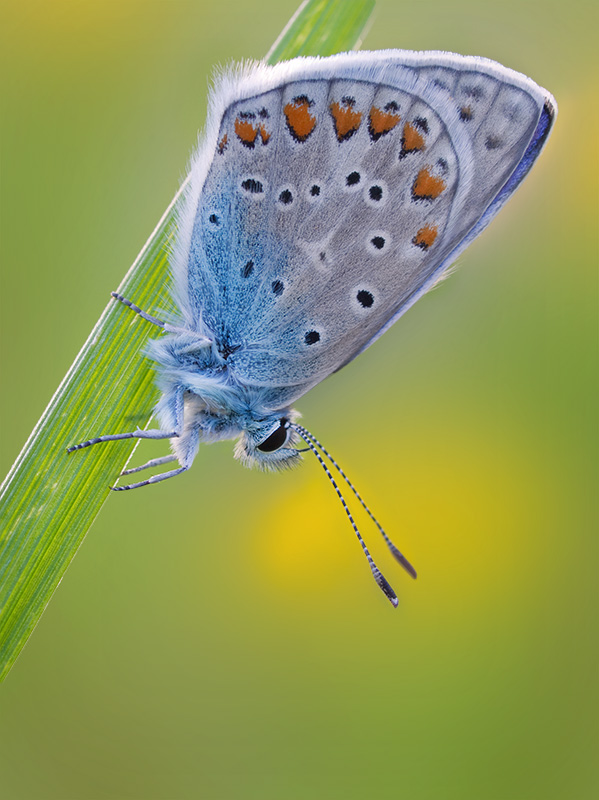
[
  {"x": 397, "y": 554},
  {"x": 380, "y": 579}
]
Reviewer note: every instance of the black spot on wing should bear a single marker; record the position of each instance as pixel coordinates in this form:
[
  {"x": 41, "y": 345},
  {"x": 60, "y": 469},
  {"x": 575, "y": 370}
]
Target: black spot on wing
[
  {"x": 252, "y": 186},
  {"x": 365, "y": 298}
]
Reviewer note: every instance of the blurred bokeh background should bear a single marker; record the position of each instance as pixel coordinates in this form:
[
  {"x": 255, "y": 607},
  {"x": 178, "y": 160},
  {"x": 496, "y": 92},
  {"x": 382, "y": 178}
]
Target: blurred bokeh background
[{"x": 219, "y": 636}]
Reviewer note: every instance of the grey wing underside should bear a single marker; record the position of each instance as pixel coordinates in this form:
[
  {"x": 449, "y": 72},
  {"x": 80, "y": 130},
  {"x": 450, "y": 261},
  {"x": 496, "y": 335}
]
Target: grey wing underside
[{"x": 322, "y": 208}]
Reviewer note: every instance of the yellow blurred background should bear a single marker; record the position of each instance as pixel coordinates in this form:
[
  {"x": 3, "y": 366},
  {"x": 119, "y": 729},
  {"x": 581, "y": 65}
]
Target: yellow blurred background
[{"x": 219, "y": 636}]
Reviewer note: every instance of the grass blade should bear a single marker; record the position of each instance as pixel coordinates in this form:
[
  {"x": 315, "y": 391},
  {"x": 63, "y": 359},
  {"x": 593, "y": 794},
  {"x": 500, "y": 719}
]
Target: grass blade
[
  {"x": 321, "y": 28},
  {"x": 50, "y": 499}
]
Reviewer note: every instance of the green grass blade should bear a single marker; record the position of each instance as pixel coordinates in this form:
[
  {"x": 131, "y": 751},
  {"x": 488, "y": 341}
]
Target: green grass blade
[
  {"x": 50, "y": 499},
  {"x": 321, "y": 28}
]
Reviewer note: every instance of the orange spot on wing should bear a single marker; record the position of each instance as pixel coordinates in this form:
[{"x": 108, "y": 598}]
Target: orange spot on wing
[
  {"x": 222, "y": 145},
  {"x": 300, "y": 121},
  {"x": 427, "y": 186},
  {"x": 246, "y": 131},
  {"x": 425, "y": 237},
  {"x": 347, "y": 121},
  {"x": 381, "y": 122},
  {"x": 264, "y": 134},
  {"x": 412, "y": 138}
]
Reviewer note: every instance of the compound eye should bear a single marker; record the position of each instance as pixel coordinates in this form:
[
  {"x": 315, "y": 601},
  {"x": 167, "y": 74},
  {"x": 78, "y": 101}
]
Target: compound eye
[{"x": 276, "y": 439}]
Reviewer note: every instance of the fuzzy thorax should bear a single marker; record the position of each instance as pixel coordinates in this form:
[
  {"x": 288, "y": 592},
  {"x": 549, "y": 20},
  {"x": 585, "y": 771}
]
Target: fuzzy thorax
[{"x": 203, "y": 402}]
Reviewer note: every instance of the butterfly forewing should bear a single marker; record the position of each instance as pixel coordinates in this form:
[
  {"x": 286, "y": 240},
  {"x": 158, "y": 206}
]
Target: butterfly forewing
[{"x": 334, "y": 198}]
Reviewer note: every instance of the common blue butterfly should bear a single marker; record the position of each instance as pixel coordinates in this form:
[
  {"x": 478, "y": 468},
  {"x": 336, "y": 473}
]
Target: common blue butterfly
[{"x": 328, "y": 195}]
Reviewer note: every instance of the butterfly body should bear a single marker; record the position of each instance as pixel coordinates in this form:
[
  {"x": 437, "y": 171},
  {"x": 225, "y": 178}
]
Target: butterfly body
[{"x": 203, "y": 400}]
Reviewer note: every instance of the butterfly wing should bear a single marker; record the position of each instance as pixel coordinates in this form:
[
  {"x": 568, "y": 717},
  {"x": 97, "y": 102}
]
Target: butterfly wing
[{"x": 332, "y": 193}]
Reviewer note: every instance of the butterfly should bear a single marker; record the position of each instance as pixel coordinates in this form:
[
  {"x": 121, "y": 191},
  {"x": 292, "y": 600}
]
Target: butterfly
[{"x": 327, "y": 196}]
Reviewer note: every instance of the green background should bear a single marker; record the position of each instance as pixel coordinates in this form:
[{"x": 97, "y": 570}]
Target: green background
[{"x": 219, "y": 636}]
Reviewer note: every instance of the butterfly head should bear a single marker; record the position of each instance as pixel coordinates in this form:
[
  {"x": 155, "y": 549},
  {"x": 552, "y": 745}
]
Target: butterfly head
[{"x": 269, "y": 443}]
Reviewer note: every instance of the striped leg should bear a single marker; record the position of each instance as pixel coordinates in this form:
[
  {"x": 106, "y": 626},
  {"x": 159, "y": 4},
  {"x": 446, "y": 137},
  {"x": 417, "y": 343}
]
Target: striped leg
[
  {"x": 116, "y": 437},
  {"x": 155, "y": 462},
  {"x": 175, "y": 406},
  {"x": 190, "y": 445},
  {"x": 201, "y": 340},
  {"x": 162, "y": 476}
]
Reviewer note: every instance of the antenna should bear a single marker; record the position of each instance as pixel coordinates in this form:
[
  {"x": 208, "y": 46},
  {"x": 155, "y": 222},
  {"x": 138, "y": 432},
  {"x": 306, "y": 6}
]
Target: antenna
[
  {"x": 397, "y": 554},
  {"x": 382, "y": 582}
]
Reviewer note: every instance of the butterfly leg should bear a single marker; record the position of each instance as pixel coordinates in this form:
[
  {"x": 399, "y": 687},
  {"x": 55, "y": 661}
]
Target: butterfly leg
[
  {"x": 190, "y": 443},
  {"x": 174, "y": 405},
  {"x": 155, "y": 462},
  {"x": 115, "y": 437},
  {"x": 202, "y": 340},
  {"x": 162, "y": 476}
]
